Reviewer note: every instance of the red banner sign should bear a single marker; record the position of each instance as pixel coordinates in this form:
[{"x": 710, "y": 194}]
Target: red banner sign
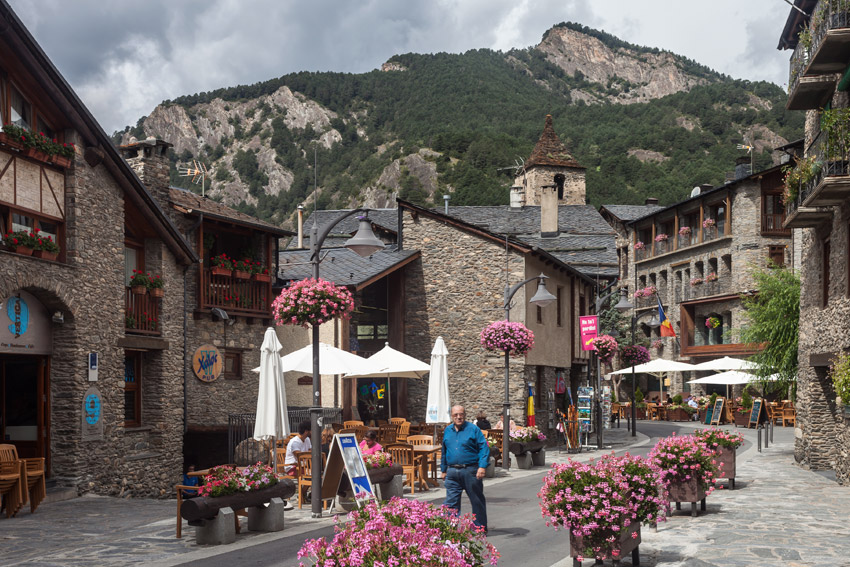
[{"x": 589, "y": 325}]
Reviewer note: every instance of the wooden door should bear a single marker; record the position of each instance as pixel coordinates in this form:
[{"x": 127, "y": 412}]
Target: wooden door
[{"x": 24, "y": 404}]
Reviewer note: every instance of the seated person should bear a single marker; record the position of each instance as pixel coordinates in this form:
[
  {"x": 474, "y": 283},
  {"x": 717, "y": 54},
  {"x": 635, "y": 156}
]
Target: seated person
[
  {"x": 500, "y": 425},
  {"x": 669, "y": 400},
  {"x": 190, "y": 481},
  {"x": 327, "y": 438},
  {"x": 693, "y": 403},
  {"x": 300, "y": 442},
  {"x": 370, "y": 445},
  {"x": 482, "y": 421}
]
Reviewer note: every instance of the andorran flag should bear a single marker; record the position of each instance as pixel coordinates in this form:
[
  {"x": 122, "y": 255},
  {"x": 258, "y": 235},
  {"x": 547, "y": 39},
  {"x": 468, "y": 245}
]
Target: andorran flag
[
  {"x": 666, "y": 328},
  {"x": 530, "y": 420}
]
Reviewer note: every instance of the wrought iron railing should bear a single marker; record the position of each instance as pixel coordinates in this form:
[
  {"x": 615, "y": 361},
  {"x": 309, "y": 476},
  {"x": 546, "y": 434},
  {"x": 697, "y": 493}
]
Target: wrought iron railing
[
  {"x": 240, "y": 426},
  {"x": 798, "y": 64},
  {"x": 141, "y": 313},
  {"x": 828, "y": 15}
]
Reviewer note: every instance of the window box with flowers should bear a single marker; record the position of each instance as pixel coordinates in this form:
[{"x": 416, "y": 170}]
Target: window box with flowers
[
  {"x": 157, "y": 286},
  {"x": 242, "y": 269},
  {"x": 39, "y": 147},
  {"x": 260, "y": 273},
  {"x": 708, "y": 228},
  {"x": 45, "y": 247},
  {"x": 222, "y": 265},
  {"x": 661, "y": 243},
  {"x": 696, "y": 281},
  {"x": 20, "y": 242},
  {"x": 640, "y": 250},
  {"x": 140, "y": 282}
]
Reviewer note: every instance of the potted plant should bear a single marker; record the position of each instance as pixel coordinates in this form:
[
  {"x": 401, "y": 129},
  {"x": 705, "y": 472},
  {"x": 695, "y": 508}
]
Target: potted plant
[
  {"x": 140, "y": 282},
  {"x": 602, "y": 504},
  {"x": 156, "y": 286},
  {"x": 696, "y": 281},
  {"x": 606, "y": 348},
  {"x": 403, "y": 532},
  {"x": 688, "y": 468},
  {"x": 633, "y": 355},
  {"x": 661, "y": 242},
  {"x": 260, "y": 273},
  {"x": 708, "y": 226},
  {"x": 20, "y": 242},
  {"x": 526, "y": 440},
  {"x": 129, "y": 322},
  {"x": 726, "y": 444},
  {"x": 221, "y": 265},
  {"x": 242, "y": 269},
  {"x": 507, "y": 336},
  {"x": 45, "y": 247},
  {"x": 640, "y": 405},
  {"x": 312, "y": 302}
]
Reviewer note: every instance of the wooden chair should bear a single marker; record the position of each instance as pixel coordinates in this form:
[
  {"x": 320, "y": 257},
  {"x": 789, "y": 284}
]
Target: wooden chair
[
  {"x": 336, "y": 427},
  {"x": 774, "y": 414},
  {"x": 382, "y": 422},
  {"x": 498, "y": 436},
  {"x": 789, "y": 415},
  {"x": 32, "y": 476},
  {"x": 398, "y": 420},
  {"x": 347, "y": 430},
  {"x": 305, "y": 475},
  {"x": 360, "y": 431},
  {"x": 352, "y": 423},
  {"x": 388, "y": 434},
  {"x": 11, "y": 487},
  {"x": 402, "y": 454},
  {"x": 433, "y": 458},
  {"x": 403, "y": 431}
]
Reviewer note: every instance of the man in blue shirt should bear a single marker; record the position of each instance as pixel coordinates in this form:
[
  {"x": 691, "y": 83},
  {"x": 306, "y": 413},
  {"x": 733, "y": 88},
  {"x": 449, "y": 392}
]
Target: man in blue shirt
[{"x": 464, "y": 462}]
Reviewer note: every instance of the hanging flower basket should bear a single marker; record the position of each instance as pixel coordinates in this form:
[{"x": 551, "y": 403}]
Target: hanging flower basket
[
  {"x": 507, "y": 336},
  {"x": 606, "y": 348},
  {"x": 634, "y": 355},
  {"x": 312, "y": 302}
]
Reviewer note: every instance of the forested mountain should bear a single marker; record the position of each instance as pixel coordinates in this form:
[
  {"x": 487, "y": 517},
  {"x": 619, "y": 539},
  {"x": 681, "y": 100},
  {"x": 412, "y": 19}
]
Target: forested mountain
[{"x": 644, "y": 122}]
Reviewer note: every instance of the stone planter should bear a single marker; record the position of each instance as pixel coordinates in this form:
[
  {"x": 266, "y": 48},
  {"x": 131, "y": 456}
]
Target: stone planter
[
  {"x": 741, "y": 419},
  {"x": 157, "y": 292},
  {"x": 203, "y": 508},
  {"x": 219, "y": 271},
  {"x": 686, "y": 491},
  {"x": 45, "y": 255},
  {"x": 538, "y": 458},
  {"x": 618, "y": 549},
  {"x": 139, "y": 289},
  {"x": 726, "y": 464},
  {"x": 522, "y": 447}
]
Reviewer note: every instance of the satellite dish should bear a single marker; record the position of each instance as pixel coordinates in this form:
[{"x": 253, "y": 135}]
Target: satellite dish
[{"x": 695, "y": 191}]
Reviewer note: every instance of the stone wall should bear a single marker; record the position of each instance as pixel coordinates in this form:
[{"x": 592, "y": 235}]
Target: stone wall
[{"x": 535, "y": 177}]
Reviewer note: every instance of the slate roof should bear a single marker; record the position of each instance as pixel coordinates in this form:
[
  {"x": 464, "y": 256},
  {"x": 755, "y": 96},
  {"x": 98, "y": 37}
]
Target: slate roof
[
  {"x": 342, "y": 266},
  {"x": 385, "y": 219},
  {"x": 550, "y": 151},
  {"x": 631, "y": 212},
  {"x": 194, "y": 202},
  {"x": 592, "y": 255}
]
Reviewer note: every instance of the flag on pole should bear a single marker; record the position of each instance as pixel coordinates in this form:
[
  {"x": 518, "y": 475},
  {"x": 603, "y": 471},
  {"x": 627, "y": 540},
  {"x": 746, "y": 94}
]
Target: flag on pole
[
  {"x": 666, "y": 328},
  {"x": 531, "y": 420}
]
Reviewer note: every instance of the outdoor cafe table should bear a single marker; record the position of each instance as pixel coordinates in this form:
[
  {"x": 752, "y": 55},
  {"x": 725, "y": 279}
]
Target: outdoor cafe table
[{"x": 423, "y": 454}]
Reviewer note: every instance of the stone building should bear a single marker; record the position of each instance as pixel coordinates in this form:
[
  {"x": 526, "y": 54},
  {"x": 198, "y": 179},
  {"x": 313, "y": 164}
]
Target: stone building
[
  {"x": 698, "y": 255},
  {"x": 229, "y": 311},
  {"x": 88, "y": 369},
  {"x": 819, "y": 213}
]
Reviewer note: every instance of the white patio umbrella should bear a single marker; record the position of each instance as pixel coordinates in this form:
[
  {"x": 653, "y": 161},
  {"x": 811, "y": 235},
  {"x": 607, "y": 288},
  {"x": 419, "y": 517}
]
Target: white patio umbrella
[
  {"x": 437, "y": 409},
  {"x": 331, "y": 361},
  {"x": 390, "y": 363},
  {"x": 726, "y": 363},
  {"x": 658, "y": 367},
  {"x": 271, "y": 418},
  {"x": 730, "y": 378}
]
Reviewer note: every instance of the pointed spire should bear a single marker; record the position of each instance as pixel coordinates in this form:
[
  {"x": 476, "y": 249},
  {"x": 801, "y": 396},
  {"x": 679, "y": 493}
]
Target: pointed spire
[{"x": 550, "y": 150}]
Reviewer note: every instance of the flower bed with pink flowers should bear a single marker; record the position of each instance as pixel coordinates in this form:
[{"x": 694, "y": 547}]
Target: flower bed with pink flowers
[
  {"x": 312, "y": 302},
  {"x": 682, "y": 458},
  {"x": 402, "y": 532},
  {"x": 510, "y": 336}
]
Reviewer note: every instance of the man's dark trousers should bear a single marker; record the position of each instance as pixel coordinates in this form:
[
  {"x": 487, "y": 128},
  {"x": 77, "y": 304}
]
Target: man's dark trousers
[{"x": 458, "y": 480}]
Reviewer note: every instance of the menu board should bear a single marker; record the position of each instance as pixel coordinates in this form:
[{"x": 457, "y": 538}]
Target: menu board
[
  {"x": 345, "y": 456},
  {"x": 717, "y": 412},
  {"x": 755, "y": 415}
]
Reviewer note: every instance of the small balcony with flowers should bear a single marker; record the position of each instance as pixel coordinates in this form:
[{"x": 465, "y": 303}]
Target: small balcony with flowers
[
  {"x": 242, "y": 287},
  {"x": 37, "y": 146},
  {"x": 143, "y": 304}
]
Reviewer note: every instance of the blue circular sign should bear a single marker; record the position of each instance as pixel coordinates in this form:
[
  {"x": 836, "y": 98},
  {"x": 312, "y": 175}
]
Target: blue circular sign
[{"x": 92, "y": 409}]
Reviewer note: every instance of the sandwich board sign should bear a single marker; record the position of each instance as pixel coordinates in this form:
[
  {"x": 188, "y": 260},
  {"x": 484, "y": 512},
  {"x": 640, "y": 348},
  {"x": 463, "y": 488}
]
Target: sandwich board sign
[{"x": 345, "y": 456}]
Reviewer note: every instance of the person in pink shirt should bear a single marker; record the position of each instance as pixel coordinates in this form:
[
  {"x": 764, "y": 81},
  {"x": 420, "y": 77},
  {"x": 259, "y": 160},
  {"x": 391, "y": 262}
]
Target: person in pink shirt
[{"x": 370, "y": 445}]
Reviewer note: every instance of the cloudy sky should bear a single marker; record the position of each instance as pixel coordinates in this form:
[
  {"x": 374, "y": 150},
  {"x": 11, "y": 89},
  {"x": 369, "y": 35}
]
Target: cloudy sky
[{"x": 124, "y": 57}]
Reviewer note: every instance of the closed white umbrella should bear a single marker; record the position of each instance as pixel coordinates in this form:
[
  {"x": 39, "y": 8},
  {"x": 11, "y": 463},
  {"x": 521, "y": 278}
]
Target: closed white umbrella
[
  {"x": 271, "y": 419},
  {"x": 438, "y": 409},
  {"x": 387, "y": 363}
]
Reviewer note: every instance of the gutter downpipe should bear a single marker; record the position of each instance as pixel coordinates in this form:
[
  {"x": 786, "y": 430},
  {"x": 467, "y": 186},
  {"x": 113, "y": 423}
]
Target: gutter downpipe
[{"x": 186, "y": 360}]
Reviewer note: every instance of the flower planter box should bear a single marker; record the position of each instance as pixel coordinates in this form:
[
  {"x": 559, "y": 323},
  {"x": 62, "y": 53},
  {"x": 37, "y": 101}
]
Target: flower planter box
[
  {"x": 240, "y": 275},
  {"x": 742, "y": 419},
  {"x": 203, "y": 508},
  {"x": 219, "y": 271},
  {"x": 23, "y": 250},
  {"x": 522, "y": 447},
  {"x": 678, "y": 414},
  {"x": 726, "y": 465},
  {"x": 36, "y": 154},
  {"x": 261, "y": 277},
  {"x": 157, "y": 292},
  {"x": 617, "y": 550},
  {"x": 686, "y": 491},
  {"x": 11, "y": 142},
  {"x": 45, "y": 255},
  {"x": 640, "y": 413},
  {"x": 61, "y": 161},
  {"x": 384, "y": 474},
  {"x": 139, "y": 289}
]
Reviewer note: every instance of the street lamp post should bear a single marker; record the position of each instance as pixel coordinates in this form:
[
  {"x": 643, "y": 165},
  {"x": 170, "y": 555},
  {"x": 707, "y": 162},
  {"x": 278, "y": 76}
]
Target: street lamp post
[
  {"x": 542, "y": 298},
  {"x": 363, "y": 244},
  {"x": 623, "y": 306}
]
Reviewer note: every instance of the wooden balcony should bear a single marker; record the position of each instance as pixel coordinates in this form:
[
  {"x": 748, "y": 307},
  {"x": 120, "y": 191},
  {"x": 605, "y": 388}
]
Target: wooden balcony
[
  {"x": 141, "y": 314},
  {"x": 236, "y": 296}
]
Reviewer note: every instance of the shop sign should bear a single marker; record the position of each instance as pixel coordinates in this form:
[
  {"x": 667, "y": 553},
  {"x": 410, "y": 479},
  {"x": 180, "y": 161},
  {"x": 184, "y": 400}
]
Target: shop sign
[
  {"x": 588, "y": 326},
  {"x": 92, "y": 427},
  {"x": 207, "y": 363},
  {"x": 24, "y": 325}
]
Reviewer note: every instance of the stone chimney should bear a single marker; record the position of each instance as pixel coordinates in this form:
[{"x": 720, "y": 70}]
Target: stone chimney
[
  {"x": 517, "y": 197},
  {"x": 651, "y": 201},
  {"x": 549, "y": 210},
  {"x": 300, "y": 226},
  {"x": 149, "y": 159},
  {"x": 743, "y": 167}
]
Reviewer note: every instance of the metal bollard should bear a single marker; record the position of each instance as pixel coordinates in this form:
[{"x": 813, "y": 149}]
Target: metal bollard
[
  {"x": 766, "y": 444},
  {"x": 771, "y": 432},
  {"x": 758, "y": 431}
]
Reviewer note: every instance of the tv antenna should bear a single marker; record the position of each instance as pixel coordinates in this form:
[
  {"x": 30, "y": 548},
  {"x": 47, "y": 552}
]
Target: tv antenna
[
  {"x": 749, "y": 149},
  {"x": 198, "y": 173},
  {"x": 519, "y": 165}
]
